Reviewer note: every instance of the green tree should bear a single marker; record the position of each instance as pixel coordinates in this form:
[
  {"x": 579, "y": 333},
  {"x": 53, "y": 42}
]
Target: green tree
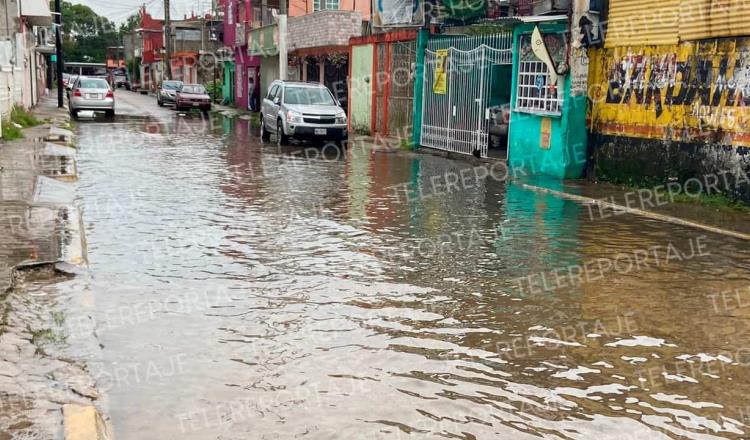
[
  {"x": 132, "y": 23},
  {"x": 86, "y": 35}
]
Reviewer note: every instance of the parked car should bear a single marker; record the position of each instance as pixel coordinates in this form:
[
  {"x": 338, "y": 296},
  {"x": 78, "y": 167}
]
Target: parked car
[
  {"x": 70, "y": 81},
  {"x": 498, "y": 126},
  {"x": 168, "y": 92},
  {"x": 302, "y": 110},
  {"x": 192, "y": 96},
  {"x": 92, "y": 94},
  {"x": 120, "y": 78}
]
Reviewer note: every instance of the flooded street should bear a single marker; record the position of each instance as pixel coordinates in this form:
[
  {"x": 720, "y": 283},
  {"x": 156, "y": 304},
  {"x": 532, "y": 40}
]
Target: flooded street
[{"x": 246, "y": 291}]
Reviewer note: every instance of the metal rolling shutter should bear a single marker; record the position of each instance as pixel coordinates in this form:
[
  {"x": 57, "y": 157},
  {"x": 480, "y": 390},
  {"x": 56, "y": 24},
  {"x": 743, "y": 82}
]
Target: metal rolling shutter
[
  {"x": 701, "y": 19},
  {"x": 643, "y": 22}
]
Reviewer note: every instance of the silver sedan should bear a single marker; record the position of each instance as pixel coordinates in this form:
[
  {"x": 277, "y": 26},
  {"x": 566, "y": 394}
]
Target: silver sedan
[{"x": 93, "y": 94}]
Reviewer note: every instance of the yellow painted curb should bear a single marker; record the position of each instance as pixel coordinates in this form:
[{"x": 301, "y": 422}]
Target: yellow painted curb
[{"x": 83, "y": 422}]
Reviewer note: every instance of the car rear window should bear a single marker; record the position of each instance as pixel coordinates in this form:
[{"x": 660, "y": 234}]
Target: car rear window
[
  {"x": 308, "y": 95},
  {"x": 198, "y": 90},
  {"x": 172, "y": 85},
  {"x": 93, "y": 84}
]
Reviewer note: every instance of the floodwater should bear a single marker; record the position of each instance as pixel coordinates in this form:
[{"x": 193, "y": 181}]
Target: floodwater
[{"x": 244, "y": 291}]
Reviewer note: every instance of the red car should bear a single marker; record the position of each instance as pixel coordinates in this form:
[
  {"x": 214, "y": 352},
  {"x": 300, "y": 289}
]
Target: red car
[{"x": 192, "y": 96}]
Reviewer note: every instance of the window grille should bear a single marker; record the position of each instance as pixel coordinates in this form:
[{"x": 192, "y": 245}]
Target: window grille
[
  {"x": 535, "y": 93},
  {"x": 319, "y": 5}
]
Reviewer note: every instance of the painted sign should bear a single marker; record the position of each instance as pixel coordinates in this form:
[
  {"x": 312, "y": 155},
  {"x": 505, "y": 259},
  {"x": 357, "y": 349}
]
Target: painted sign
[
  {"x": 440, "y": 85},
  {"x": 579, "y": 72},
  {"x": 546, "y": 133},
  {"x": 555, "y": 43},
  {"x": 539, "y": 48},
  {"x": 690, "y": 91}
]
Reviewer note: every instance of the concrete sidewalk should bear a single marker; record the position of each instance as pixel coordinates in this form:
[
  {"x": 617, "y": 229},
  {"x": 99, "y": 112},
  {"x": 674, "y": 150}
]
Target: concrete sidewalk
[
  {"x": 44, "y": 387},
  {"x": 38, "y": 221},
  {"x": 660, "y": 202}
]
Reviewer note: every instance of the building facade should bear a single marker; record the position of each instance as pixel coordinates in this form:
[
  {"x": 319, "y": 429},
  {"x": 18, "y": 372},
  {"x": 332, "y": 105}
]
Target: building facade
[
  {"x": 318, "y": 35},
  {"x": 670, "y": 94},
  {"x": 151, "y": 35},
  {"x": 481, "y": 89},
  {"x": 242, "y": 78},
  {"x": 196, "y": 44},
  {"x": 25, "y": 52}
]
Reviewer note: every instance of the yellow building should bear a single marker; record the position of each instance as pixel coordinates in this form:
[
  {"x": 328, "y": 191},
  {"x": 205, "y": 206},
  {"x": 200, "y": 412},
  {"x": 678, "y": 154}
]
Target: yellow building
[{"x": 670, "y": 92}]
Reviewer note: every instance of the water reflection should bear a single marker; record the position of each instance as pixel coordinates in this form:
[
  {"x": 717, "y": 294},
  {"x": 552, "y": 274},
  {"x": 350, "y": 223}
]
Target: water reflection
[{"x": 352, "y": 297}]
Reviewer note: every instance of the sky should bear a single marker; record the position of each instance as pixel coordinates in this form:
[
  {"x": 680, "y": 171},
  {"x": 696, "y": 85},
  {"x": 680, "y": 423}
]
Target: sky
[{"x": 119, "y": 10}]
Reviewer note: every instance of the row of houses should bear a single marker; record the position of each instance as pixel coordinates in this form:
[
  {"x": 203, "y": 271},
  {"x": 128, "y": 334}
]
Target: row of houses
[
  {"x": 25, "y": 53},
  {"x": 622, "y": 90},
  {"x": 195, "y": 48}
]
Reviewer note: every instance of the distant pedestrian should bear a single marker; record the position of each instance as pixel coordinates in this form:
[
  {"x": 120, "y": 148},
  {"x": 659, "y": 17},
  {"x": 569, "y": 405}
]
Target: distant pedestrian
[{"x": 252, "y": 102}]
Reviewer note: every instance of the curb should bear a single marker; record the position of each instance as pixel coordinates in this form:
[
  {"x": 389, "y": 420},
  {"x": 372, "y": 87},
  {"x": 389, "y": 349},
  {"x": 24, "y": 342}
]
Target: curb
[
  {"x": 636, "y": 211},
  {"x": 61, "y": 136},
  {"x": 83, "y": 422}
]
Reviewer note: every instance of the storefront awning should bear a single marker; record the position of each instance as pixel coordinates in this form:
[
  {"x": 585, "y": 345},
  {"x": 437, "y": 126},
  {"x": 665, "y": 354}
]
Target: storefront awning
[{"x": 36, "y": 12}]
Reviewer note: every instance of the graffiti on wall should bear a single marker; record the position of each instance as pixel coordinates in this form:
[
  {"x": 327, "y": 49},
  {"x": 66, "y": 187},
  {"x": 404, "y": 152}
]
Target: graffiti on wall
[
  {"x": 675, "y": 90},
  {"x": 556, "y": 45}
]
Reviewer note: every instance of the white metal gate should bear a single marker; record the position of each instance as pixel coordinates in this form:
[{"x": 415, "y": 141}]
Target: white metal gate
[{"x": 458, "y": 119}]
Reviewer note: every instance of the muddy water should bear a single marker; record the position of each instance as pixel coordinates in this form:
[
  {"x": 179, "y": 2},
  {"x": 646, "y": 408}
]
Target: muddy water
[{"x": 244, "y": 291}]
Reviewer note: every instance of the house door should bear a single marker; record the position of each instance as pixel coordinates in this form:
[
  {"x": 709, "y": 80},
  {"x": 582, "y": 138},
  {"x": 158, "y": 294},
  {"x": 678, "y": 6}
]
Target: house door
[
  {"x": 252, "y": 86},
  {"x": 401, "y": 93},
  {"x": 380, "y": 120}
]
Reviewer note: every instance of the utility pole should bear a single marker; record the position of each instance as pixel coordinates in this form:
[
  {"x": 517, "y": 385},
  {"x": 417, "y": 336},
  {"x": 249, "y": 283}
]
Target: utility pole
[
  {"x": 283, "y": 61},
  {"x": 167, "y": 40},
  {"x": 59, "y": 54}
]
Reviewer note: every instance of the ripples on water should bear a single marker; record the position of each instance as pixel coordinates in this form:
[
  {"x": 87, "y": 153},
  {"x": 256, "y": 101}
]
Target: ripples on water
[{"x": 308, "y": 298}]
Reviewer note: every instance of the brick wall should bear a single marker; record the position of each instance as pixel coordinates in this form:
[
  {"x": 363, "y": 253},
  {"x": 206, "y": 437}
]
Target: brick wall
[{"x": 323, "y": 28}]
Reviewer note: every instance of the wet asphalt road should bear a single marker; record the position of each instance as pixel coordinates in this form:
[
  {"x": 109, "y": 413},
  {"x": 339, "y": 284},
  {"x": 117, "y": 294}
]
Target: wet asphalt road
[{"x": 244, "y": 291}]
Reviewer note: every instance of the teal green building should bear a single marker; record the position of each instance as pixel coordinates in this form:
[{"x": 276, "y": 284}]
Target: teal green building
[
  {"x": 547, "y": 134},
  {"x": 227, "y": 88},
  {"x": 494, "y": 70}
]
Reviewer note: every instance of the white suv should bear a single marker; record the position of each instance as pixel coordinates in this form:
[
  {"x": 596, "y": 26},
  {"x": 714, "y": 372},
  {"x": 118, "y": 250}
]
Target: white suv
[{"x": 302, "y": 110}]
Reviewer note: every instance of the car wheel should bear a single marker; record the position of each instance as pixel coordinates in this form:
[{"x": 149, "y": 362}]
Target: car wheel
[
  {"x": 161, "y": 104},
  {"x": 281, "y": 138},
  {"x": 74, "y": 114},
  {"x": 264, "y": 134},
  {"x": 109, "y": 114}
]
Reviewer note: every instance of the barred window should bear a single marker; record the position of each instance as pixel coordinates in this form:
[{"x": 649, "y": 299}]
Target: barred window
[
  {"x": 536, "y": 93},
  {"x": 325, "y": 4}
]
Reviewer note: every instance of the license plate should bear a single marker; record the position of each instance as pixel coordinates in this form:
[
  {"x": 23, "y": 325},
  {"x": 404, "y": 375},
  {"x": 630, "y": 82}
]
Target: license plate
[
  {"x": 93, "y": 96},
  {"x": 196, "y": 104},
  {"x": 321, "y": 131}
]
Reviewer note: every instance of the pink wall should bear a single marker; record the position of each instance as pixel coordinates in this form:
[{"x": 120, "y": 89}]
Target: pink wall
[
  {"x": 302, "y": 7},
  {"x": 230, "y": 21},
  {"x": 235, "y": 11}
]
